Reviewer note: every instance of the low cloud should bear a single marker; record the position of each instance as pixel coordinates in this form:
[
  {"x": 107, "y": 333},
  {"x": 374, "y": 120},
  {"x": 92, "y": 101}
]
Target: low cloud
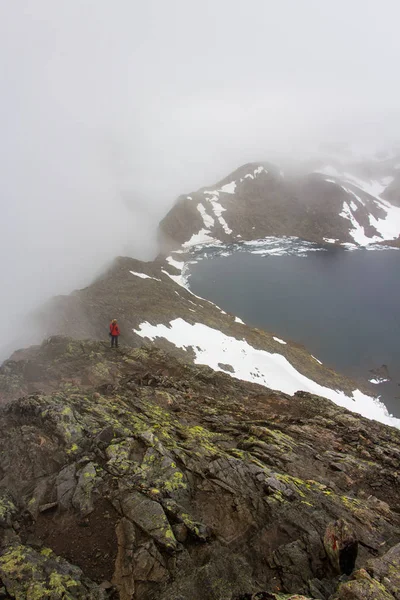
[{"x": 110, "y": 111}]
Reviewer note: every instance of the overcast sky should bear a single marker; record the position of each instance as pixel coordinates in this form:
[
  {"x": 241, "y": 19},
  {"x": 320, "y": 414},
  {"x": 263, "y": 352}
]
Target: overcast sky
[{"x": 109, "y": 110}]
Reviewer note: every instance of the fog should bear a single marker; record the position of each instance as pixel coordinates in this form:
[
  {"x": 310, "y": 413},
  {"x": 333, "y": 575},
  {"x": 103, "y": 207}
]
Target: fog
[{"x": 110, "y": 110}]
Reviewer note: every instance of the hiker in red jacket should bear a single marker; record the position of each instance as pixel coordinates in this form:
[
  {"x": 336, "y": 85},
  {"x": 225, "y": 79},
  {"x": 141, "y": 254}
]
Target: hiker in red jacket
[{"x": 114, "y": 333}]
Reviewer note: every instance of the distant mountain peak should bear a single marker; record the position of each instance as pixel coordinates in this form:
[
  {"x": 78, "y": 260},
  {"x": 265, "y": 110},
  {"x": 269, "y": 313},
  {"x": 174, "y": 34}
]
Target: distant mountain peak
[{"x": 361, "y": 205}]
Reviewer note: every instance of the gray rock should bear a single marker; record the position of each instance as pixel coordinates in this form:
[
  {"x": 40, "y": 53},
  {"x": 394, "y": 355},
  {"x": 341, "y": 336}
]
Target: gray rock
[
  {"x": 82, "y": 499},
  {"x": 123, "y": 577},
  {"x": 386, "y": 570},
  {"x": 46, "y": 507},
  {"x": 180, "y": 532},
  {"x": 65, "y": 486},
  {"x": 149, "y": 564},
  {"x": 150, "y": 517},
  {"x": 27, "y": 573}
]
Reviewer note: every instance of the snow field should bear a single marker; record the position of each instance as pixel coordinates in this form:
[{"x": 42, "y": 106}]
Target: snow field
[
  {"x": 237, "y": 320},
  {"x": 387, "y": 227},
  {"x": 212, "y": 197},
  {"x": 207, "y": 219},
  {"x": 143, "y": 276},
  {"x": 318, "y": 361},
  {"x": 178, "y": 264},
  {"x": 212, "y": 347}
]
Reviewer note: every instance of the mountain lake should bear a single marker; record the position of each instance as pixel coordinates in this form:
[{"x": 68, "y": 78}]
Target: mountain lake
[{"x": 343, "y": 306}]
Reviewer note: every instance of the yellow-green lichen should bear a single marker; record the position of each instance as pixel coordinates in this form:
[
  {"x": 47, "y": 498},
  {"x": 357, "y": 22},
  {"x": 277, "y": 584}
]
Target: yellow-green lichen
[
  {"x": 72, "y": 449},
  {"x": 7, "y": 507}
]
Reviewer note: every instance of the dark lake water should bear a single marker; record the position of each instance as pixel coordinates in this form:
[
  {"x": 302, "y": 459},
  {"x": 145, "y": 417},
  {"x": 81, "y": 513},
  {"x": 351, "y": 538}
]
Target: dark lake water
[{"x": 343, "y": 306}]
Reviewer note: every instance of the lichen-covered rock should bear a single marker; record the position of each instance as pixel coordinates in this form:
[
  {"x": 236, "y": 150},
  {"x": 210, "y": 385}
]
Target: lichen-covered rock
[
  {"x": 83, "y": 499},
  {"x": 31, "y": 575},
  {"x": 65, "y": 486},
  {"x": 172, "y": 482},
  {"x": 8, "y": 510},
  {"x": 150, "y": 517},
  {"x": 386, "y": 570},
  {"x": 362, "y": 587}
]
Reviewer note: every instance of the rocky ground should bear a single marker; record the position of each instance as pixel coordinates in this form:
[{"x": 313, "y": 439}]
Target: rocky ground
[{"x": 131, "y": 474}]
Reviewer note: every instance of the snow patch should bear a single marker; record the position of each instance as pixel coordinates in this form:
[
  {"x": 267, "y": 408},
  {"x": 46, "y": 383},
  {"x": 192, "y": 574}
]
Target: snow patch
[
  {"x": 207, "y": 219},
  {"x": 378, "y": 380},
  {"x": 256, "y": 172},
  {"x": 228, "y": 188},
  {"x": 237, "y": 320},
  {"x": 218, "y": 210},
  {"x": 372, "y": 187},
  {"x": 318, "y": 361},
  {"x": 353, "y": 206},
  {"x": 285, "y": 246},
  {"x": 259, "y": 170},
  {"x": 175, "y": 263},
  {"x": 279, "y": 341},
  {"x": 389, "y": 226},
  {"x": 176, "y": 278},
  {"x": 356, "y": 231},
  {"x": 273, "y": 370},
  {"x": 202, "y": 237},
  {"x": 143, "y": 276}
]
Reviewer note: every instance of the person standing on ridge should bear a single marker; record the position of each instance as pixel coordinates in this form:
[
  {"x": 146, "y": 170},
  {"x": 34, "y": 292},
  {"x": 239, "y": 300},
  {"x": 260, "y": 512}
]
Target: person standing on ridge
[{"x": 114, "y": 333}]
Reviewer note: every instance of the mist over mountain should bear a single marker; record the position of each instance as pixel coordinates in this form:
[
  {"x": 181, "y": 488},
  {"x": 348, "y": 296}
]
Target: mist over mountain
[{"x": 108, "y": 115}]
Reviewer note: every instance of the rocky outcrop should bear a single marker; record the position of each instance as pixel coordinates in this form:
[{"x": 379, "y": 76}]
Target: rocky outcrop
[
  {"x": 35, "y": 574},
  {"x": 157, "y": 479},
  {"x": 380, "y": 580}
]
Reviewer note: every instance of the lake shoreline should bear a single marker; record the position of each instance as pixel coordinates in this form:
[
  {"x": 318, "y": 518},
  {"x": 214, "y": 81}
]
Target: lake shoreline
[{"x": 340, "y": 305}]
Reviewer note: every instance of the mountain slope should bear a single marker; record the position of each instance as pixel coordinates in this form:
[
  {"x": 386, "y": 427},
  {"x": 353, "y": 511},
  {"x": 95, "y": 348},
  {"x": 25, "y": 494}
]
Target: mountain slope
[
  {"x": 153, "y": 308},
  {"x": 158, "y": 479},
  {"x": 258, "y": 201}
]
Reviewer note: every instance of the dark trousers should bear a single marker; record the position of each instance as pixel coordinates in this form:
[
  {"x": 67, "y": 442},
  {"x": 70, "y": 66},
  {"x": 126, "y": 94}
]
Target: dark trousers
[{"x": 114, "y": 341}]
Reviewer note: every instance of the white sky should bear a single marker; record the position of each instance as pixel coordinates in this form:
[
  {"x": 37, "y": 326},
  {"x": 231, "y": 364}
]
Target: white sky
[{"x": 110, "y": 110}]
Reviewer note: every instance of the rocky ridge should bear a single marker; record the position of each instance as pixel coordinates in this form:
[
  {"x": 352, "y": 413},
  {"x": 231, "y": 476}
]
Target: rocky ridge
[
  {"x": 137, "y": 475},
  {"x": 149, "y": 300}
]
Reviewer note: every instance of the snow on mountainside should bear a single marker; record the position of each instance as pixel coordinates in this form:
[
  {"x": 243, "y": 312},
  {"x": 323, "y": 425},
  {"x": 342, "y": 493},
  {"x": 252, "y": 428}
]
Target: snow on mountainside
[
  {"x": 245, "y": 362},
  {"x": 343, "y": 204},
  {"x": 152, "y": 305},
  {"x": 367, "y": 193}
]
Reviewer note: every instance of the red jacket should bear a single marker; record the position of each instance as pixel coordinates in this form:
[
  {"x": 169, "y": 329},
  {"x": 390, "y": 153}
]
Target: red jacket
[{"x": 114, "y": 329}]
